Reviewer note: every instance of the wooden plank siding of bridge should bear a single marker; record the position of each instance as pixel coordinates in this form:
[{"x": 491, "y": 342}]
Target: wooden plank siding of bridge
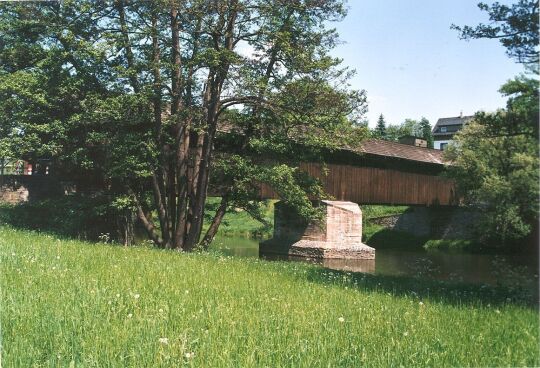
[
  {"x": 381, "y": 172},
  {"x": 376, "y": 172},
  {"x": 371, "y": 185}
]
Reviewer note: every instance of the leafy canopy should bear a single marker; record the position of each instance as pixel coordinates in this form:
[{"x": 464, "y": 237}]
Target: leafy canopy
[
  {"x": 515, "y": 26},
  {"x": 160, "y": 100}
]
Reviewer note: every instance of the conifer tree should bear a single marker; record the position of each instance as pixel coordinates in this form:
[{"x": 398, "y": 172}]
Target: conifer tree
[{"x": 380, "y": 130}]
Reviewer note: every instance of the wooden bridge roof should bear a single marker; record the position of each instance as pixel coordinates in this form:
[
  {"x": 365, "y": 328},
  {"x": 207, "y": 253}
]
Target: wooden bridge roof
[
  {"x": 383, "y": 148},
  {"x": 374, "y": 147}
]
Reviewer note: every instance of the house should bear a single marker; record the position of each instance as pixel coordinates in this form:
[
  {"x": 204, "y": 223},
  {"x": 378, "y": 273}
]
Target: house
[{"x": 445, "y": 129}]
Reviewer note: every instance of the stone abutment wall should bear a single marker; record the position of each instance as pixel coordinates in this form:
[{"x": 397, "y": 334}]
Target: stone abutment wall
[{"x": 433, "y": 222}]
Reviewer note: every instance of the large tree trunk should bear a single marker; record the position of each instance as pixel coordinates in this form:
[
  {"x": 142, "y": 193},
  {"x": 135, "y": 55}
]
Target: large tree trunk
[
  {"x": 216, "y": 221},
  {"x": 180, "y": 191}
]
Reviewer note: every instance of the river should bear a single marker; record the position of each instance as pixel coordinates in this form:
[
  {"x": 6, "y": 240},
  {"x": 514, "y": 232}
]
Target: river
[{"x": 489, "y": 269}]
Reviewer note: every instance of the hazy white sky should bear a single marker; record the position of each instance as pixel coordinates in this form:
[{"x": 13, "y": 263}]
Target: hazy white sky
[{"x": 412, "y": 64}]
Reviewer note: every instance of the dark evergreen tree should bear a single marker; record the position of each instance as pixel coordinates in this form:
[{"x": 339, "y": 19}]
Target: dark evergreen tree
[{"x": 380, "y": 129}]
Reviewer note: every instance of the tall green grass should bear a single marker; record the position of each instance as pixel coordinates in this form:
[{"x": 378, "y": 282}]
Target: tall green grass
[{"x": 66, "y": 303}]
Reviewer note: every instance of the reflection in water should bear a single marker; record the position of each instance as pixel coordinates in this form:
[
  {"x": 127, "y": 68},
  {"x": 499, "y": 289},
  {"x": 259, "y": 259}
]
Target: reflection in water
[
  {"x": 350, "y": 265},
  {"x": 509, "y": 270}
]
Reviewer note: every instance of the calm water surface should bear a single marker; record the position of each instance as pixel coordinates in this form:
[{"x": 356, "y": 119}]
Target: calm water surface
[{"x": 463, "y": 267}]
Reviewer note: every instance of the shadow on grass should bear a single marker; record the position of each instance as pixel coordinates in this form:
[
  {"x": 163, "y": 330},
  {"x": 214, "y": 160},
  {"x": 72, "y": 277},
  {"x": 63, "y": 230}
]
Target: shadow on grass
[{"x": 453, "y": 293}]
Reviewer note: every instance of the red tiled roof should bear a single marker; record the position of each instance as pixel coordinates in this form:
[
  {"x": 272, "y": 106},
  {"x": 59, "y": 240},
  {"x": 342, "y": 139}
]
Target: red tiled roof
[{"x": 403, "y": 151}]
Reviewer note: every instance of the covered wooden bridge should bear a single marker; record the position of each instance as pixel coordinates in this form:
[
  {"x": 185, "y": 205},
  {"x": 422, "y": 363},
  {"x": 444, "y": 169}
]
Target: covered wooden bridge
[{"x": 382, "y": 172}]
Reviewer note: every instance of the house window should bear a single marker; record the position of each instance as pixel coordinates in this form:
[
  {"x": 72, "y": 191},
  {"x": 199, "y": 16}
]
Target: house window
[
  {"x": 443, "y": 129},
  {"x": 443, "y": 146}
]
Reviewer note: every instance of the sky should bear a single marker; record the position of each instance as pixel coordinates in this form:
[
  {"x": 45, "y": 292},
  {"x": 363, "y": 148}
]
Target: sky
[{"x": 413, "y": 65}]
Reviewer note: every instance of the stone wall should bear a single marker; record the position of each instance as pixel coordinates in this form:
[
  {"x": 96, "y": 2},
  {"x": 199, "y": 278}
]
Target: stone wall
[
  {"x": 433, "y": 222},
  {"x": 21, "y": 188}
]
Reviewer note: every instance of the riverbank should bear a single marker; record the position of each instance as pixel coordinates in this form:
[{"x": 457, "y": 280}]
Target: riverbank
[
  {"x": 89, "y": 218},
  {"x": 69, "y": 302}
]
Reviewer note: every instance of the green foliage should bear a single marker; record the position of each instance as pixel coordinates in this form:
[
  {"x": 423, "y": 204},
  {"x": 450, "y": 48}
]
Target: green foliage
[
  {"x": 374, "y": 211},
  {"x": 426, "y": 131},
  {"x": 495, "y": 158},
  {"x": 69, "y": 216},
  {"x": 380, "y": 129},
  {"x": 412, "y": 127},
  {"x": 255, "y": 219},
  {"x": 83, "y": 304},
  {"x": 122, "y": 91},
  {"x": 515, "y": 26},
  {"x": 495, "y": 163},
  {"x": 459, "y": 245}
]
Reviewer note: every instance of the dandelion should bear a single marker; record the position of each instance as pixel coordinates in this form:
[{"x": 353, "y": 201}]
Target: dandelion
[
  {"x": 189, "y": 355},
  {"x": 164, "y": 340},
  {"x": 341, "y": 319}
]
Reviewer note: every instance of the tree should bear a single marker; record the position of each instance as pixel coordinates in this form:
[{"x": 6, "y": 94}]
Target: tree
[
  {"x": 496, "y": 167},
  {"x": 516, "y": 27},
  {"x": 497, "y": 174},
  {"x": 408, "y": 127},
  {"x": 412, "y": 127},
  {"x": 142, "y": 94},
  {"x": 426, "y": 133},
  {"x": 380, "y": 129},
  {"x": 495, "y": 158}
]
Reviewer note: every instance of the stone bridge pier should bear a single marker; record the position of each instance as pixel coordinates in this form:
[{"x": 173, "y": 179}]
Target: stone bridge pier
[{"x": 337, "y": 235}]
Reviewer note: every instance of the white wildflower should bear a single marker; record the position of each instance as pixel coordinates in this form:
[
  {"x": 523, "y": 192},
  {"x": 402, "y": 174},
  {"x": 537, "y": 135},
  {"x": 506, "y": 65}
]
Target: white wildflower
[
  {"x": 420, "y": 304},
  {"x": 341, "y": 319},
  {"x": 405, "y": 333},
  {"x": 130, "y": 315},
  {"x": 189, "y": 355},
  {"x": 136, "y": 296},
  {"x": 164, "y": 340}
]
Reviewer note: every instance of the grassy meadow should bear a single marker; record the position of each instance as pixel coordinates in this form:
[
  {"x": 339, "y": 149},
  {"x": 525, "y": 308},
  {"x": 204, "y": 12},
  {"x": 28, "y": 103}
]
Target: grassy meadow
[{"x": 68, "y": 303}]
